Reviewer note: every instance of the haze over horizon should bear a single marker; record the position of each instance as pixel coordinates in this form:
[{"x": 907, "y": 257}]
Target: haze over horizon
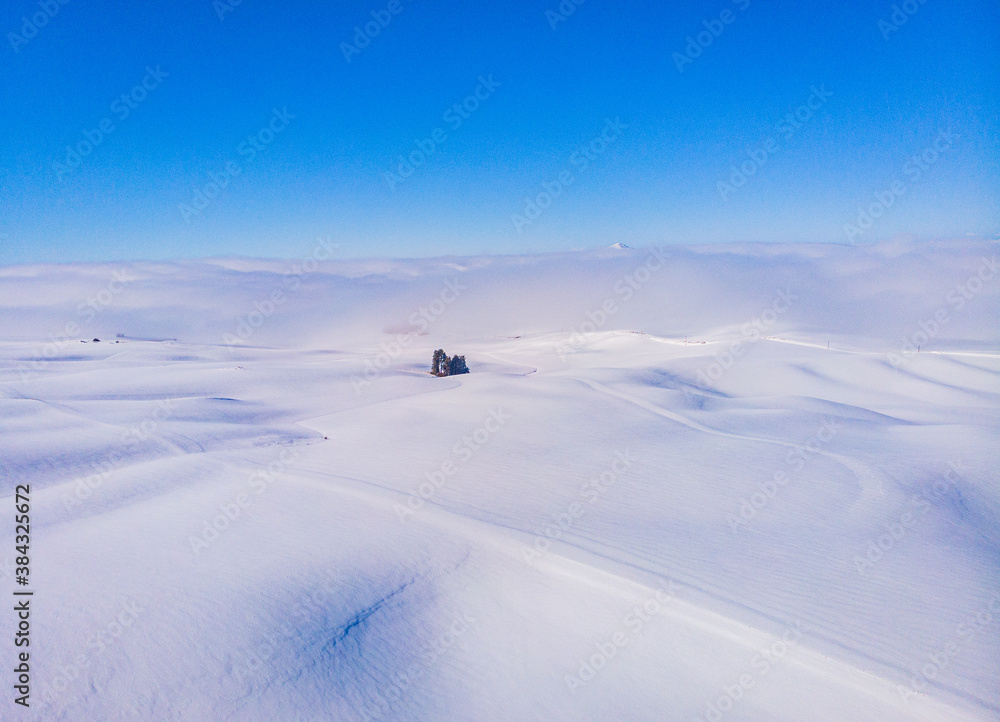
[{"x": 447, "y": 362}]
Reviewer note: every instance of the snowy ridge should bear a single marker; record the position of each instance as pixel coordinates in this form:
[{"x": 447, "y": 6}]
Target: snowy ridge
[{"x": 690, "y": 508}]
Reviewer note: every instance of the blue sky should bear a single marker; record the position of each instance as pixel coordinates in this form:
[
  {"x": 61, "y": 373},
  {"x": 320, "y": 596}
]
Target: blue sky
[{"x": 315, "y": 124}]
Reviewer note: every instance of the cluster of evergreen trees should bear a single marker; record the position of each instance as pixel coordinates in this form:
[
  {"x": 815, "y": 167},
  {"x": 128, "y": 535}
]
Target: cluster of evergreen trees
[{"x": 442, "y": 365}]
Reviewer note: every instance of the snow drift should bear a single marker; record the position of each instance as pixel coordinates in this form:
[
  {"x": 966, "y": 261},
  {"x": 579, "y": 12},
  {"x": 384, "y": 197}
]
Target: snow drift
[{"x": 692, "y": 483}]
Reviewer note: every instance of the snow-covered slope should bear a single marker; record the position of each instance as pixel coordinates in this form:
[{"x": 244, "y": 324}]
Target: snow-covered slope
[{"x": 694, "y": 483}]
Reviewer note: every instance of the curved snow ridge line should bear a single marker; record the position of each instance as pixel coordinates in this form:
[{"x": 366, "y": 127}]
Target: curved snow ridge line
[
  {"x": 794, "y": 342},
  {"x": 624, "y": 558},
  {"x": 777, "y": 339},
  {"x": 504, "y": 539},
  {"x": 534, "y": 369},
  {"x": 501, "y": 539},
  {"x": 963, "y": 353},
  {"x": 868, "y": 481},
  {"x": 70, "y": 411},
  {"x": 643, "y": 565},
  {"x": 816, "y": 664}
]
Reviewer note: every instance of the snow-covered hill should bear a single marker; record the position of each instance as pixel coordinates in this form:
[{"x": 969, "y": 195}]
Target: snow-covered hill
[{"x": 697, "y": 483}]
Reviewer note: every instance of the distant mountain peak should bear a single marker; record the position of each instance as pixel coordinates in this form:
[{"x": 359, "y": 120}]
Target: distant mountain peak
[{"x": 619, "y": 245}]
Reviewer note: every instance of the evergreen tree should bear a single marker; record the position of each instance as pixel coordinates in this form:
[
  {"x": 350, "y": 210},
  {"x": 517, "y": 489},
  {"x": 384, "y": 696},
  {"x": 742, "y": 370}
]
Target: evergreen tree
[
  {"x": 443, "y": 365},
  {"x": 457, "y": 366}
]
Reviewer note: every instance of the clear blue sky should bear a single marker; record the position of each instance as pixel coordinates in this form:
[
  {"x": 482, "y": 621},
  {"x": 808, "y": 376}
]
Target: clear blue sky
[{"x": 324, "y": 173}]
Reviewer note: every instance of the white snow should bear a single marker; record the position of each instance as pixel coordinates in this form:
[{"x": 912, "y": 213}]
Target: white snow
[{"x": 766, "y": 505}]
